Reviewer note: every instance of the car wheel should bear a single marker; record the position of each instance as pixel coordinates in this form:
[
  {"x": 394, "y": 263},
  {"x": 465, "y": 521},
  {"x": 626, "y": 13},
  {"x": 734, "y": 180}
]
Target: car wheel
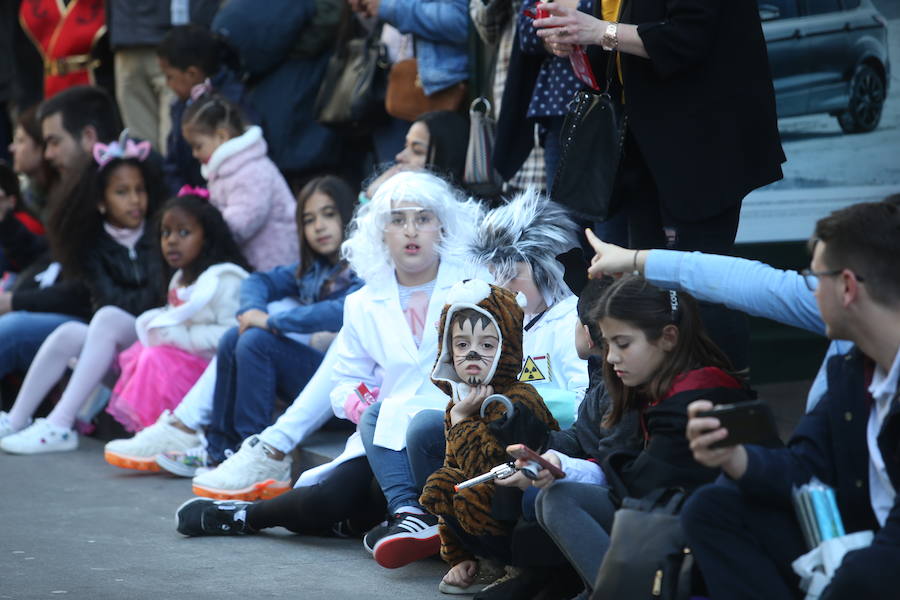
[{"x": 866, "y": 101}]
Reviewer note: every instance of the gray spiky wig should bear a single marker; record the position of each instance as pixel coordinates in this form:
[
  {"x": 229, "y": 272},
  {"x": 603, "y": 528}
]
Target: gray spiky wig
[{"x": 530, "y": 229}]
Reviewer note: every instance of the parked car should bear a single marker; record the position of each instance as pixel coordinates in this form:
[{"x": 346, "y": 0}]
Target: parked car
[{"x": 828, "y": 56}]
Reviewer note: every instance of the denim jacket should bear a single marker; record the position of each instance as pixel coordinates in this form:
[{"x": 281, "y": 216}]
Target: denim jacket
[
  {"x": 440, "y": 30},
  {"x": 319, "y": 310}
]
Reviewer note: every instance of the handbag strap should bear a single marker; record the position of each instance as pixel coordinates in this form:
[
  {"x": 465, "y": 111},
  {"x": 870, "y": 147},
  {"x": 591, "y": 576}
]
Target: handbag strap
[
  {"x": 347, "y": 28},
  {"x": 614, "y": 55}
]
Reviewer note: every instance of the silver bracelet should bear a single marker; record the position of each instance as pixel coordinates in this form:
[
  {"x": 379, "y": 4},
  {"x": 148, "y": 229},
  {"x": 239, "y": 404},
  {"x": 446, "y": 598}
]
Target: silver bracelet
[{"x": 634, "y": 267}]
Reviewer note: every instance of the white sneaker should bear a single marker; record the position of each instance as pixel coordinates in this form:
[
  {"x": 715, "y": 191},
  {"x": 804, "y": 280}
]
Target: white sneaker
[
  {"x": 6, "y": 427},
  {"x": 248, "y": 474},
  {"x": 184, "y": 463},
  {"x": 39, "y": 438},
  {"x": 139, "y": 452}
]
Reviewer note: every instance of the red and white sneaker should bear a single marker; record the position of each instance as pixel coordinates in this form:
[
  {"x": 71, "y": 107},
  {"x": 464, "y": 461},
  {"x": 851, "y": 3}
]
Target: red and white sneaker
[{"x": 408, "y": 537}]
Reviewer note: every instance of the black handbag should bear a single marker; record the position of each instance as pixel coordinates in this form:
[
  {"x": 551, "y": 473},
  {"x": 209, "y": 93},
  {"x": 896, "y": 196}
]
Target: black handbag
[
  {"x": 648, "y": 557},
  {"x": 351, "y": 96},
  {"x": 591, "y": 142}
]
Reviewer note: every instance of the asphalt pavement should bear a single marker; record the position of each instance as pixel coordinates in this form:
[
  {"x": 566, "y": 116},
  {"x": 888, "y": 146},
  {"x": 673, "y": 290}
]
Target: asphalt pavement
[{"x": 72, "y": 526}]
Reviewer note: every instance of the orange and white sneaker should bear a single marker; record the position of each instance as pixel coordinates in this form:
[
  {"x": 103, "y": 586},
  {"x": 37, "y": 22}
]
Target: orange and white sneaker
[
  {"x": 249, "y": 474},
  {"x": 139, "y": 452}
]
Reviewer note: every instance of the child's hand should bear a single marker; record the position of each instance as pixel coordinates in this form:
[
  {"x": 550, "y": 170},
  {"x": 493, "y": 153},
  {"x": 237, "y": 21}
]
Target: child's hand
[
  {"x": 462, "y": 574},
  {"x": 517, "y": 480},
  {"x": 252, "y": 318},
  {"x": 471, "y": 404},
  {"x": 544, "y": 478}
]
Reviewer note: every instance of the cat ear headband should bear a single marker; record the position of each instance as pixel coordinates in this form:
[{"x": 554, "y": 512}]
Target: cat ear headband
[{"x": 124, "y": 148}]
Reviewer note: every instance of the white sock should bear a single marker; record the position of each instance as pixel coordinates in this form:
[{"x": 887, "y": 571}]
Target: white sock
[{"x": 415, "y": 510}]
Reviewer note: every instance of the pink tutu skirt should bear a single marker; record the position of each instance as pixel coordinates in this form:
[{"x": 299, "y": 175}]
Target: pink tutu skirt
[{"x": 152, "y": 379}]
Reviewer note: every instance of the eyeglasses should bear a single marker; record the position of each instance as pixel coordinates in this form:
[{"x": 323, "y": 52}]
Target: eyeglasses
[
  {"x": 811, "y": 278},
  {"x": 421, "y": 220}
]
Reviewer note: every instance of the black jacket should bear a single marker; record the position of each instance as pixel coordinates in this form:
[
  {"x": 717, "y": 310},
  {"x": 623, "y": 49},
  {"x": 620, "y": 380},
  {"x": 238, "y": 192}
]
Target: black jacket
[
  {"x": 117, "y": 276},
  {"x": 111, "y": 276},
  {"x": 830, "y": 443},
  {"x": 666, "y": 461},
  {"x": 702, "y": 109}
]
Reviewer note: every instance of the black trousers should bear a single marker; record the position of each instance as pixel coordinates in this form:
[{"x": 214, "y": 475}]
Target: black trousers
[
  {"x": 349, "y": 493},
  {"x": 744, "y": 549},
  {"x": 651, "y": 225}
]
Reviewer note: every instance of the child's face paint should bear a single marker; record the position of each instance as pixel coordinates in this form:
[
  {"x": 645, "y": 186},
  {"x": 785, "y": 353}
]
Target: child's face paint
[
  {"x": 413, "y": 252},
  {"x": 634, "y": 358},
  {"x": 474, "y": 349}
]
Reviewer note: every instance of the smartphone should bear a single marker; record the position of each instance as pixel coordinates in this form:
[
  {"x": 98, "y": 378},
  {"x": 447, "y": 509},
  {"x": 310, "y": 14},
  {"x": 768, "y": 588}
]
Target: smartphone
[
  {"x": 749, "y": 422},
  {"x": 525, "y": 453}
]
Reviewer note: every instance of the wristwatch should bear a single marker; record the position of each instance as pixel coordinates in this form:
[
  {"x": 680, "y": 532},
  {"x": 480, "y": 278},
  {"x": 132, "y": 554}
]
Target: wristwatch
[{"x": 610, "y": 39}]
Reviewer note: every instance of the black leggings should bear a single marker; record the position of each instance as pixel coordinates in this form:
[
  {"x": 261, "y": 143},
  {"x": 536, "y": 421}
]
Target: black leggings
[{"x": 349, "y": 493}]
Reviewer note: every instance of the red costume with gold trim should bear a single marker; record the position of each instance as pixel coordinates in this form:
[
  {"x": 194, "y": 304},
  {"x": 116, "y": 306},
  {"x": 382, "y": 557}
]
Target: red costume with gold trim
[{"x": 65, "y": 36}]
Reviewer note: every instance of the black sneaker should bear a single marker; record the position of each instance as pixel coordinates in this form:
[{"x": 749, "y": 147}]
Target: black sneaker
[
  {"x": 373, "y": 535},
  {"x": 202, "y": 516},
  {"x": 406, "y": 538}
]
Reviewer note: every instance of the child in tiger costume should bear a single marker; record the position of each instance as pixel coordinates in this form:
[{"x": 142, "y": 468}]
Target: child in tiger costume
[{"x": 480, "y": 354}]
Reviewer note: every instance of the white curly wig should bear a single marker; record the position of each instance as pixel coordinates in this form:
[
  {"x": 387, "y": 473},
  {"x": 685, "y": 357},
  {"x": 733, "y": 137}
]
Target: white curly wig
[
  {"x": 364, "y": 248},
  {"x": 531, "y": 229}
]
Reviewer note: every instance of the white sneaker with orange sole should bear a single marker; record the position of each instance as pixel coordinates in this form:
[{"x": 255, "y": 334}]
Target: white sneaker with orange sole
[
  {"x": 248, "y": 474},
  {"x": 139, "y": 452}
]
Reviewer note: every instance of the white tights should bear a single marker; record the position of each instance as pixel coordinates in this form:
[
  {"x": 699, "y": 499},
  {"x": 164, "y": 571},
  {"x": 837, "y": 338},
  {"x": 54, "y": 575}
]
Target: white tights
[{"x": 95, "y": 346}]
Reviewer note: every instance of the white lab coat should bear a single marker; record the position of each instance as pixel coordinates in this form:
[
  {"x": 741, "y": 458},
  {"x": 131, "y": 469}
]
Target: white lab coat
[
  {"x": 550, "y": 360},
  {"x": 376, "y": 346}
]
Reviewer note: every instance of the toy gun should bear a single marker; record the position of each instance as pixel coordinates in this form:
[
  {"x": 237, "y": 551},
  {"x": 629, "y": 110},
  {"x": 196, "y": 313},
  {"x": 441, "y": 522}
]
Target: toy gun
[{"x": 501, "y": 472}]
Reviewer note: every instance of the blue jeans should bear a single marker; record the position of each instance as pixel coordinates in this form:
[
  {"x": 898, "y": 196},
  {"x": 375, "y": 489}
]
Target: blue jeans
[
  {"x": 426, "y": 445},
  {"x": 579, "y": 518},
  {"x": 21, "y": 336},
  {"x": 391, "y": 467},
  {"x": 251, "y": 369}
]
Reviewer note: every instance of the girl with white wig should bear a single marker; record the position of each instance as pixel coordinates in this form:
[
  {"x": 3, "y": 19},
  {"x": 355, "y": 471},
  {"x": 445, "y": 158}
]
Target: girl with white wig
[{"x": 380, "y": 363}]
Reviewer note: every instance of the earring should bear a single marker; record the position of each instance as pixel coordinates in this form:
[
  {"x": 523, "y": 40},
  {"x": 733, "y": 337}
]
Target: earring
[{"x": 102, "y": 209}]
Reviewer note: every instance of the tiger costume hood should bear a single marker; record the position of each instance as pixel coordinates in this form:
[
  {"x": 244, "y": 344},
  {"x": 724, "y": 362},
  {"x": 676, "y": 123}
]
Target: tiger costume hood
[{"x": 500, "y": 307}]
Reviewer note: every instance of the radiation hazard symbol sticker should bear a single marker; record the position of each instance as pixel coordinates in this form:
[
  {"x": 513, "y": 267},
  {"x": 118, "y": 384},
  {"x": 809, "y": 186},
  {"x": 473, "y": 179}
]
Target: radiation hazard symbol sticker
[{"x": 536, "y": 368}]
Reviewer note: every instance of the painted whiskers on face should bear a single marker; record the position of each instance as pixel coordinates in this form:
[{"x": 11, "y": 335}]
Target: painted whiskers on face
[{"x": 473, "y": 366}]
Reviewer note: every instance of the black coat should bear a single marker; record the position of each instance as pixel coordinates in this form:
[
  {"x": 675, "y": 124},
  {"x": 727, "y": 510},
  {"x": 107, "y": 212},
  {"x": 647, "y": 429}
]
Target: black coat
[
  {"x": 830, "y": 443},
  {"x": 666, "y": 460},
  {"x": 587, "y": 438},
  {"x": 131, "y": 280},
  {"x": 111, "y": 276},
  {"x": 702, "y": 109}
]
